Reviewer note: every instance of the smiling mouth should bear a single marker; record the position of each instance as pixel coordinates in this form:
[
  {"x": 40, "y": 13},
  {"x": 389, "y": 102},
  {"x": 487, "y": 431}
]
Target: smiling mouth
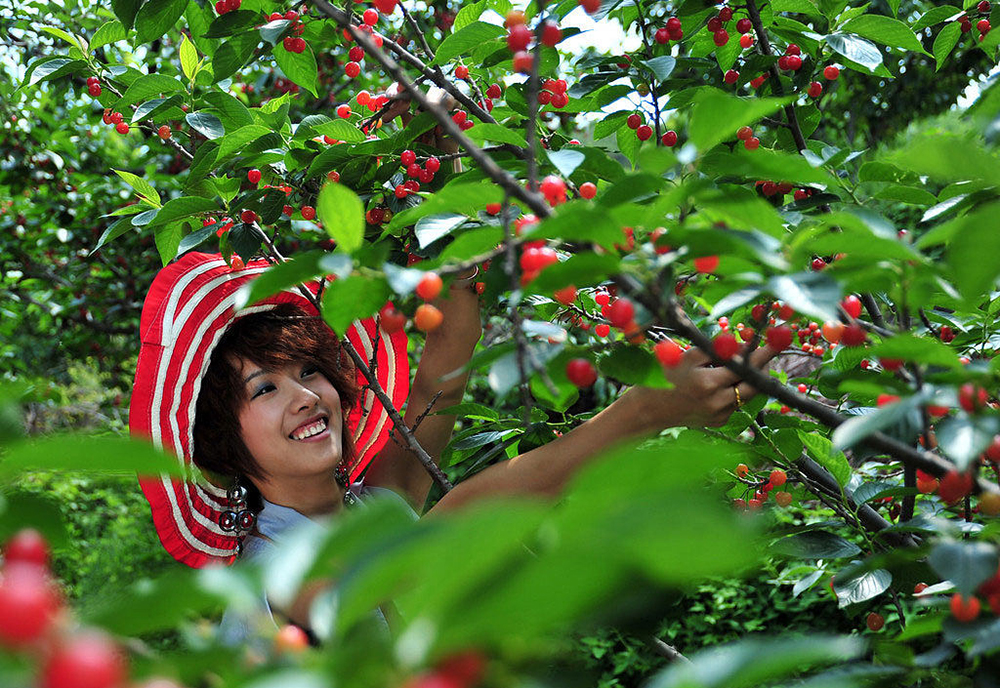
[{"x": 311, "y": 429}]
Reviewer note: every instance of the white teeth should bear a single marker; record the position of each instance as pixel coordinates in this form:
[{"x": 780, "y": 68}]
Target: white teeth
[{"x": 310, "y": 430}]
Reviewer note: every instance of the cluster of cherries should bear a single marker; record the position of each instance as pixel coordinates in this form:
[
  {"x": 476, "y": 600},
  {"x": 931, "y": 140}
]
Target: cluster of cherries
[
  {"x": 116, "y": 120},
  {"x": 226, "y": 6},
  {"x": 672, "y": 31},
  {"x": 356, "y": 54},
  {"x": 294, "y": 43},
  {"x": 643, "y": 131},
  {"x": 416, "y": 173},
  {"x": 94, "y": 86},
  {"x": 982, "y": 26},
  {"x": 519, "y": 39},
  {"x": 34, "y": 621},
  {"x": 762, "y": 488}
]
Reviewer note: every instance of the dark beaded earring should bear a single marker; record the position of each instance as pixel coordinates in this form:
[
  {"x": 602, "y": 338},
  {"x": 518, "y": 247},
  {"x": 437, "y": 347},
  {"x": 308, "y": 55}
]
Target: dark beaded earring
[{"x": 238, "y": 518}]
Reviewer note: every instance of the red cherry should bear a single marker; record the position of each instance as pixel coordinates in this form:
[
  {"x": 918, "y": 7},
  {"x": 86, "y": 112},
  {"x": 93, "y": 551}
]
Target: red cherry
[
  {"x": 752, "y": 143},
  {"x": 432, "y": 165},
  {"x": 344, "y": 111},
  {"x": 461, "y": 72},
  {"x": 566, "y": 295},
  {"x": 590, "y": 6},
  {"x": 721, "y": 37},
  {"x": 669, "y": 138},
  {"x": 946, "y": 334},
  {"x": 886, "y": 399},
  {"x": 370, "y": 16},
  {"x": 88, "y": 660},
  {"x": 725, "y": 346},
  {"x": 746, "y": 40},
  {"x": 248, "y": 216},
  {"x": 971, "y": 397},
  {"x": 706, "y": 264},
  {"x": 588, "y": 190},
  {"x": 622, "y": 313},
  {"x": 633, "y": 121},
  {"x": 121, "y": 128},
  {"x": 852, "y": 305},
  {"x": 714, "y": 24},
  {"x": 464, "y": 668},
  {"x": 602, "y": 330},
  {"x": 919, "y": 588},
  {"x": 29, "y": 603},
  {"x": 668, "y": 353},
  {"x": 731, "y": 77},
  {"x": 964, "y": 609},
  {"x": 875, "y": 622},
  {"x": 308, "y": 212},
  {"x": 390, "y": 319},
  {"x": 778, "y": 477},
  {"x": 778, "y": 338},
  {"x": 333, "y": 176},
  {"x": 815, "y": 89},
  {"x": 27, "y": 546},
  {"x": 744, "y": 133},
  {"x": 386, "y": 6},
  {"x": 954, "y": 486},
  {"x": 429, "y": 286},
  {"x": 518, "y": 38},
  {"x": 253, "y": 176},
  {"x": 352, "y": 69},
  {"x": 831, "y": 72},
  {"x": 891, "y": 364},
  {"x": 853, "y": 335},
  {"x": 554, "y": 189},
  {"x": 744, "y": 25},
  {"x": 551, "y": 34},
  {"x": 164, "y": 132},
  {"x": 581, "y": 373},
  {"x": 662, "y": 36}
]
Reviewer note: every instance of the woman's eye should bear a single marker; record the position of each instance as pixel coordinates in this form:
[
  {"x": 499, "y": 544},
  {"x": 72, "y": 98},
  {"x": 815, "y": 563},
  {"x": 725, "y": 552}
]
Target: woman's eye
[
  {"x": 309, "y": 370},
  {"x": 263, "y": 389}
]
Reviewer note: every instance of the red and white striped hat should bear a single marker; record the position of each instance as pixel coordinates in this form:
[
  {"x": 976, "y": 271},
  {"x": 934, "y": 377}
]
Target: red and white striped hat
[{"x": 189, "y": 307}]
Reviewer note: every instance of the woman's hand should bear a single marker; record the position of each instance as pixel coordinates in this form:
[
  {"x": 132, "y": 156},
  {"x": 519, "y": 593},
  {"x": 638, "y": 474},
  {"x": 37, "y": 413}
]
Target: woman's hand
[{"x": 702, "y": 395}]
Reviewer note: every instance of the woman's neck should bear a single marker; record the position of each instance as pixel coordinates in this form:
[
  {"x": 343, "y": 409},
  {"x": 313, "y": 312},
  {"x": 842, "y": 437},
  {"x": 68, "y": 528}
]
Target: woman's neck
[{"x": 308, "y": 496}]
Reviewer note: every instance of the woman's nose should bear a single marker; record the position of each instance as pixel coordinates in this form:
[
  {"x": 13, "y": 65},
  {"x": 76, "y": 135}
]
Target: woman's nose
[{"x": 303, "y": 397}]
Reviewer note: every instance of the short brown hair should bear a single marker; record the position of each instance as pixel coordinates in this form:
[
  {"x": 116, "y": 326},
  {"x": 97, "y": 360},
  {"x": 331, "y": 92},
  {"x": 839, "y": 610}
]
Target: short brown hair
[{"x": 271, "y": 339}]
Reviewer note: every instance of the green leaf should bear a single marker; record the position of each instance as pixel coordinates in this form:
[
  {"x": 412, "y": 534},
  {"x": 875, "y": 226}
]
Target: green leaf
[
  {"x": 936, "y": 15},
  {"x": 565, "y": 160},
  {"x": 206, "y": 123},
  {"x": 114, "y": 230},
  {"x": 274, "y": 30},
  {"x": 433, "y": 227},
  {"x": 351, "y": 298},
  {"x": 813, "y": 293},
  {"x": 232, "y": 23},
  {"x": 966, "y": 564},
  {"x": 465, "y": 198},
  {"x": 465, "y": 39},
  {"x": 141, "y": 186},
  {"x": 716, "y": 116},
  {"x": 299, "y": 67},
  {"x": 662, "y": 67},
  {"x": 945, "y": 42},
  {"x": 53, "y": 69},
  {"x": 581, "y": 270},
  {"x": 196, "y": 238},
  {"x": 82, "y": 454},
  {"x": 64, "y": 35},
  {"x": 343, "y": 217},
  {"x": 816, "y": 544},
  {"x": 232, "y": 143},
  {"x": 766, "y": 164},
  {"x": 821, "y": 450},
  {"x": 974, "y": 254},
  {"x": 233, "y": 54},
  {"x": 884, "y": 30},
  {"x": 168, "y": 239},
  {"x": 156, "y": 17},
  {"x": 110, "y": 32},
  {"x": 203, "y": 162},
  {"x": 146, "y": 87},
  {"x": 496, "y": 132},
  {"x": 610, "y": 124},
  {"x": 797, "y": 6},
  {"x": 339, "y": 129},
  {"x": 166, "y": 602},
  {"x": 125, "y": 11},
  {"x": 185, "y": 206},
  {"x": 468, "y": 14},
  {"x": 963, "y": 438},
  {"x": 233, "y": 113},
  {"x": 300, "y": 269},
  {"x": 633, "y": 366},
  {"x": 853, "y": 587},
  {"x": 856, "y": 429},
  {"x": 153, "y": 108},
  {"x": 907, "y": 194},
  {"x": 909, "y": 347},
  {"x": 189, "y": 58},
  {"x": 856, "y": 49}
]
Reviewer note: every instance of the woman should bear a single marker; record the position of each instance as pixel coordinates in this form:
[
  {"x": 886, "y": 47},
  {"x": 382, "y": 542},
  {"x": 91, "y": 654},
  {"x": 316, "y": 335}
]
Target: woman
[{"x": 265, "y": 401}]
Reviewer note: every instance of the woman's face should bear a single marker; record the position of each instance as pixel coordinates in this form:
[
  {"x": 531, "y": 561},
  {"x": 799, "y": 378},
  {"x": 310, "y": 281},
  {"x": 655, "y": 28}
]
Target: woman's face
[{"x": 292, "y": 422}]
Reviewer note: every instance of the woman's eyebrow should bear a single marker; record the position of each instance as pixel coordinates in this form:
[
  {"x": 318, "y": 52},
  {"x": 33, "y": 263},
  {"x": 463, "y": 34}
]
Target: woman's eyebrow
[{"x": 252, "y": 375}]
